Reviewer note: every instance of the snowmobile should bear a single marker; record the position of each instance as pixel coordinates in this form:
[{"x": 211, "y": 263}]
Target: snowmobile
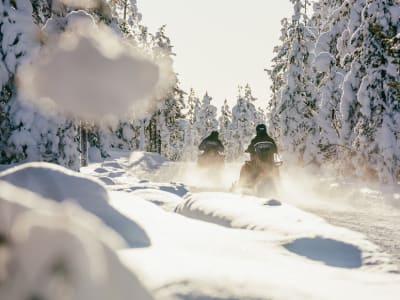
[
  {"x": 212, "y": 157},
  {"x": 260, "y": 175}
]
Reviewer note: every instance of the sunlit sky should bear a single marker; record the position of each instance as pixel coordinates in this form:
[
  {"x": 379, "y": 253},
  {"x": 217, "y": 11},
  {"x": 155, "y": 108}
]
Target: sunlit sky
[{"x": 220, "y": 44}]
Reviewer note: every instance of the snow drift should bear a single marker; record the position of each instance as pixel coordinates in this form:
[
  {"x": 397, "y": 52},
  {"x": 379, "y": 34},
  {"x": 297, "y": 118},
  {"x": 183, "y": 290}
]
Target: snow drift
[
  {"x": 60, "y": 184},
  {"x": 52, "y": 250}
]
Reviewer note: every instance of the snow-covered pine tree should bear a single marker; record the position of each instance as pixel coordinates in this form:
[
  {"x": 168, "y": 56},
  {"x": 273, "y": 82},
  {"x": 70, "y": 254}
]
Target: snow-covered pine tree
[
  {"x": 193, "y": 105},
  {"x": 206, "y": 118},
  {"x": 225, "y": 135},
  {"x": 129, "y": 19},
  {"x": 296, "y": 105},
  {"x": 329, "y": 78},
  {"x": 354, "y": 71},
  {"x": 277, "y": 75},
  {"x": 192, "y": 137},
  {"x": 260, "y": 116},
  {"x": 16, "y": 43},
  {"x": 172, "y": 132},
  {"x": 29, "y": 134},
  {"x": 42, "y": 10},
  {"x": 244, "y": 116},
  {"x": 375, "y": 145},
  {"x": 323, "y": 10}
]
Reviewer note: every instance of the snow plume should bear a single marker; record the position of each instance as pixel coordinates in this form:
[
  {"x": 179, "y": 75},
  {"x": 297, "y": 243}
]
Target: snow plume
[
  {"x": 203, "y": 179},
  {"x": 87, "y": 71},
  {"x": 311, "y": 189}
]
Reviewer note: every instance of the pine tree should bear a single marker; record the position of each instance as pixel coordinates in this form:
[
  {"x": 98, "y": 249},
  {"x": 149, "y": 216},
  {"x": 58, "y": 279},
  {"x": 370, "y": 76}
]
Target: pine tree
[
  {"x": 193, "y": 107},
  {"x": 225, "y": 134},
  {"x": 18, "y": 41},
  {"x": 278, "y": 76},
  {"x": 329, "y": 78},
  {"x": 244, "y": 116},
  {"x": 376, "y": 128},
  {"x": 192, "y": 136},
  {"x": 206, "y": 119},
  {"x": 296, "y": 105}
]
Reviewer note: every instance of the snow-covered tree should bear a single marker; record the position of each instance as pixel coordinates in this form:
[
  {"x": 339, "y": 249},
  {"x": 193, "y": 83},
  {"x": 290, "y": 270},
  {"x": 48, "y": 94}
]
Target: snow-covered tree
[
  {"x": 296, "y": 104},
  {"x": 376, "y": 127},
  {"x": 42, "y": 10},
  {"x": 192, "y": 135},
  {"x": 193, "y": 105},
  {"x": 171, "y": 131},
  {"x": 206, "y": 118},
  {"x": 29, "y": 134},
  {"x": 244, "y": 116},
  {"x": 329, "y": 78},
  {"x": 225, "y": 120}
]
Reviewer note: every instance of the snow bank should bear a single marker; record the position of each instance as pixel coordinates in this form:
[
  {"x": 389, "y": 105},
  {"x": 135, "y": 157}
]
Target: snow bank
[
  {"x": 55, "y": 182},
  {"x": 191, "y": 259},
  {"x": 60, "y": 184},
  {"x": 54, "y": 250},
  {"x": 302, "y": 232}
]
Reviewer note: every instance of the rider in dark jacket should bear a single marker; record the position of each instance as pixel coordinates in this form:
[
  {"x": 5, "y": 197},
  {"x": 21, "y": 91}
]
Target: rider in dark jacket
[
  {"x": 262, "y": 136},
  {"x": 213, "y": 151},
  {"x": 212, "y": 141},
  {"x": 251, "y": 169}
]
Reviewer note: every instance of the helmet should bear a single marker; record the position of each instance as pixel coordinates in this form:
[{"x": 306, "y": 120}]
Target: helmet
[
  {"x": 261, "y": 128},
  {"x": 214, "y": 133}
]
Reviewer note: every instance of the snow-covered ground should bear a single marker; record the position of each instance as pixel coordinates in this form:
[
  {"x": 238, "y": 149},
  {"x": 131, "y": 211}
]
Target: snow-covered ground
[{"x": 154, "y": 228}]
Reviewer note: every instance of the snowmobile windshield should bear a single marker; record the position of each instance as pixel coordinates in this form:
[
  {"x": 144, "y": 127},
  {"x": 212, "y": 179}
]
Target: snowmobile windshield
[
  {"x": 264, "y": 146},
  {"x": 213, "y": 146},
  {"x": 265, "y": 151}
]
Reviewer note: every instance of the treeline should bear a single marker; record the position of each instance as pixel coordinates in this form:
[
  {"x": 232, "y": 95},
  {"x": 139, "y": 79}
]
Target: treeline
[
  {"x": 336, "y": 87},
  {"x": 176, "y": 129}
]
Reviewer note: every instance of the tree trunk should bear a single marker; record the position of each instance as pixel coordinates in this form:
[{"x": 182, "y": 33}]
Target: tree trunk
[{"x": 84, "y": 146}]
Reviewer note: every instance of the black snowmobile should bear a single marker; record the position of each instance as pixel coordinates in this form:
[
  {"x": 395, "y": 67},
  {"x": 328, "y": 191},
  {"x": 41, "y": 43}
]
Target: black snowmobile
[
  {"x": 212, "y": 156},
  {"x": 260, "y": 175}
]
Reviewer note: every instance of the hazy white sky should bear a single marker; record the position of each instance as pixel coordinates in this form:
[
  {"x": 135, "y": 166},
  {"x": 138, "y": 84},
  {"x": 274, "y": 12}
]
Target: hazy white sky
[{"x": 220, "y": 44}]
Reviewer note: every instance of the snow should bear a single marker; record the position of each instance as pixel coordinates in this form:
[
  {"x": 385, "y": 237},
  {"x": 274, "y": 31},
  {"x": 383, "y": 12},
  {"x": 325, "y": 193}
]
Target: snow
[
  {"x": 202, "y": 244},
  {"x": 58, "y": 251},
  {"x": 323, "y": 62},
  {"x": 60, "y": 184}
]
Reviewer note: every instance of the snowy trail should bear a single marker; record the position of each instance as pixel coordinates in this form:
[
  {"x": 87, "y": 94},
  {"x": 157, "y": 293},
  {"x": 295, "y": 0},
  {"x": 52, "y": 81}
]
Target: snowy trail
[
  {"x": 369, "y": 213},
  {"x": 382, "y": 229},
  {"x": 206, "y": 242}
]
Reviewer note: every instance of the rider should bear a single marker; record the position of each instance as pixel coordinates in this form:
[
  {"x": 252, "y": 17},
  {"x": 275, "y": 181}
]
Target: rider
[
  {"x": 251, "y": 169},
  {"x": 212, "y": 141},
  {"x": 261, "y": 136},
  {"x": 213, "y": 151}
]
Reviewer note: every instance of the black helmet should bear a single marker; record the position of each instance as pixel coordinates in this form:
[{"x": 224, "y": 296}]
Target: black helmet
[
  {"x": 261, "y": 128},
  {"x": 214, "y": 133}
]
